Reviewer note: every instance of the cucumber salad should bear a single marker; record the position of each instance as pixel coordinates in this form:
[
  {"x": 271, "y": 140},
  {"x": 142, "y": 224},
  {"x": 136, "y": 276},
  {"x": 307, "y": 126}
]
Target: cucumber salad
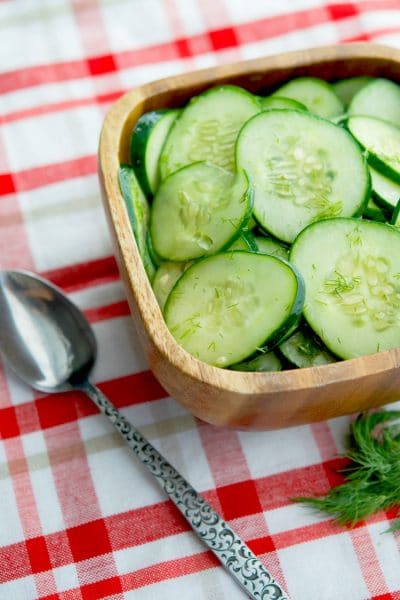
[{"x": 269, "y": 226}]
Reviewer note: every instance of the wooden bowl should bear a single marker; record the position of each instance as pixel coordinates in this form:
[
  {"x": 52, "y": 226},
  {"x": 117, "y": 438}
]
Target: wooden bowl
[{"x": 254, "y": 401}]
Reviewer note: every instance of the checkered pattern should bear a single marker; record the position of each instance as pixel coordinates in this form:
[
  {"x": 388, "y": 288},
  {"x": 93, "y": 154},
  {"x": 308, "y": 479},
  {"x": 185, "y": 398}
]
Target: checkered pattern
[{"x": 79, "y": 517}]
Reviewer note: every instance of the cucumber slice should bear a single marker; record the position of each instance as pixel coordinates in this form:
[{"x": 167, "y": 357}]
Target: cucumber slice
[
  {"x": 396, "y": 216},
  {"x": 245, "y": 241},
  {"x": 260, "y": 364},
  {"x": 147, "y": 140},
  {"x": 267, "y": 245},
  {"x": 386, "y": 191},
  {"x": 227, "y": 306},
  {"x": 346, "y": 89},
  {"x": 316, "y": 95},
  {"x": 303, "y": 167},
  {"x": 380, "y": 99},
  {"x": 382, "y": 141},
  {"x": 270, "y": 102},
  {"x": 139, "y": 214},
  {"x": 251, "y": 224},
  {"x": 165, "y": 278},
  {"x": 199, "y": 210},
  {"x": 207, "y": 129},
  {"x": 303, "y": 350},
  {"x": 351, "y": 270},
  {"x": 374, "y": 212}
]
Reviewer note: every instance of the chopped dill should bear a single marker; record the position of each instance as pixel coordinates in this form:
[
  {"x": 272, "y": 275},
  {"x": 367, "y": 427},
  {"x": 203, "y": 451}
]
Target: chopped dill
[
  {"x": 341, "y": 284},
  {"x": 372, "y": 480}
]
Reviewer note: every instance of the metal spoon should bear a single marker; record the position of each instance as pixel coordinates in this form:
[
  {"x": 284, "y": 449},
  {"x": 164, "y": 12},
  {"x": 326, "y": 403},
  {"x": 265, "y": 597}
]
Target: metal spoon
[{"x": 48, "y": 343}]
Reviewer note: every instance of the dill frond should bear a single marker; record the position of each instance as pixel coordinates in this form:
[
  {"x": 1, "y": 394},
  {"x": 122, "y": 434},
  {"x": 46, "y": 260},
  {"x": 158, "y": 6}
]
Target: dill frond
[{"x": 372, "y": 480}]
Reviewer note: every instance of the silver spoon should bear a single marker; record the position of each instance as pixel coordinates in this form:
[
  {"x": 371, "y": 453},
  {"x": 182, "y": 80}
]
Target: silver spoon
[{"x": 48, "y": 343}]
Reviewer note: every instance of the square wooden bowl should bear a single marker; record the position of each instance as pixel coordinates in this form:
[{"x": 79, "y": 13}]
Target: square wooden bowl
[{"x": 254, "y": 401}]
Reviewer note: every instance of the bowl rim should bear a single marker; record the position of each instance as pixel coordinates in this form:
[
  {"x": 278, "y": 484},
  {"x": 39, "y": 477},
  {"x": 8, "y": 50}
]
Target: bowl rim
[{"x": 117, "y": 123}]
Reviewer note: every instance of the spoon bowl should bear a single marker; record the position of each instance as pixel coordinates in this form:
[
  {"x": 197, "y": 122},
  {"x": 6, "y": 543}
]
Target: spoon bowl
[{"x": 35, "y": 315}]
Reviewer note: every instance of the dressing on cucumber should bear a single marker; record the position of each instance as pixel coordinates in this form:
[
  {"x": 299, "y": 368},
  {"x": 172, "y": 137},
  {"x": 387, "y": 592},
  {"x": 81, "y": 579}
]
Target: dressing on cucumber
[
  {"x": 351, "y": 270},
  {"x": 303, "y": 167},
  {"x": 227, "y": 297},
  {"x": 225, "y": 307},
  {"x": 207, "y": 129},
  {"x": 198, "y": 211}
]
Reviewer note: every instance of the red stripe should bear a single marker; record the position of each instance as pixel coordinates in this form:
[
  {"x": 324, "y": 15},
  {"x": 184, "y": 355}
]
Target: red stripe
[
  {"x": 50, "y": 411},
  {"x": 29, "y": 517},
  {"x": 260, "y": 29},
  {"x": 368, "y": 561},
  {"x": 35, "y": 111},
  {"x": 371, "y": 35},
  {"x": 81, "y": 275},
  {"x": 111, "y": 311},
  {"x": 14, "y": 245},
  {"x": 29, "y": 179},
  {"x": 87, "y": 534},
  {"x": 6, "y": 184},
  {"x": 169, "y": 569}
]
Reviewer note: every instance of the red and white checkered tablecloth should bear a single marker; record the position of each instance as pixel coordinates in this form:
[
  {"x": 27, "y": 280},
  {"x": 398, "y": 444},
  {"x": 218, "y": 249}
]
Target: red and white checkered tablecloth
[{"x": 80, "y": 518}]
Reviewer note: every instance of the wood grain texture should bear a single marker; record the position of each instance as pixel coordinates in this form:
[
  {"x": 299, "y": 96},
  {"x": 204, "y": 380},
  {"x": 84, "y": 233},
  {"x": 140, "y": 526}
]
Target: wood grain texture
[{"x": 254, "y": 401}]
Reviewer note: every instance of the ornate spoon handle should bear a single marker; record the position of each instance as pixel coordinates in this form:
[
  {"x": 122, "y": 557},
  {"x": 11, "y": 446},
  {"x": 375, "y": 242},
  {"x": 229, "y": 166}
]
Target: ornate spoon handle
[{"x": 232, "y": 552}]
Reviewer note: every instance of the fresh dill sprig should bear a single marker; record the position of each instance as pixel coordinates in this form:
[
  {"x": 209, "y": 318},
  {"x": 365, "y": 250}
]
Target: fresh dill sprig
[{"x": 372, "y": 480}]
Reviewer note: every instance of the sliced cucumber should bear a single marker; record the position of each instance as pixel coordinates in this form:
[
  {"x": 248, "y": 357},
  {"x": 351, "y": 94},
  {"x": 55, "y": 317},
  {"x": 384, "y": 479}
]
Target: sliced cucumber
[
  {"x": 251, "y": 224},
  {"x": 303, "y": 350},
  {"x": 139, "y": 214},
  {"x": 165, "y": 278},
  {"x": 227, "y": 306},
  {"x": 199, "y": 210},
  {"x": 351, "y": 270},
  {"x": 316, "y": 95},
  {"x": 245, "y": 241},
  {"x": 147, "y": 140},
  {"x": 207, "y": 129},
  {"x": 267, "y": 245},
  {"x": 396, "y": 216},
  {"x": 346, "y": 89},
  {"x": 374, "y": 212},
  {"x": 380, "y": 99},
  {"x": 303, "y": 169},
  {"x": 261, "y": 363},
  {"x": 386, "y": 191},
  {"x": 382, "y": 141},
  {"x": 270, "y": 102}
]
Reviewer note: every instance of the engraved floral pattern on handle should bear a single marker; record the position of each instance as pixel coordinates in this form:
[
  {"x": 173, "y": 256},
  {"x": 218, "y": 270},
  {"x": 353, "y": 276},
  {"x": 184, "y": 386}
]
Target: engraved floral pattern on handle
[{"x": 232, "y": 552}]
